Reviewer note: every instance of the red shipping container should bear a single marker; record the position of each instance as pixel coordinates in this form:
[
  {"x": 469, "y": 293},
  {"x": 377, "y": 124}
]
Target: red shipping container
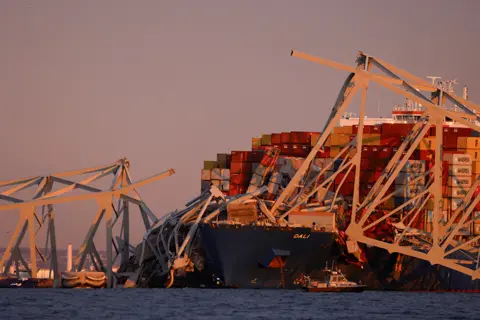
[
  {"x": 428, "y": 155},
  {"x": 237, "y": 189},
  {"x": 390, "y": 140},
  {"x": 450, "y": 141},
  {"x": 350, "y": 178},
  {"x": 300, "y": 137},
  {"x": 366, "y": 129},
  {"x": 240, "y": 179},
  {"x": 366, "y": 163},
  {"x": 286, "y": 149},
  {"x": 255, "y": 156},
  {"x": 346, "y": 189},
  {"x": 376, "y": 129},
  {"x": 323, "y": 154},
  {"x": 367, "y": 151},
  {"x": 475, "y": 194},
  {"x": 380, "y": 164},
  {"x": 396, "y": 129},
  {"x": 276, "y": 138},
  {"x": 386, "y": 152},
  {"x": 300, "y": 150},
  {"x": 240, "y": 167},
  {"x": 285, "y": 137},
  {"x": 239, "y": 156}
]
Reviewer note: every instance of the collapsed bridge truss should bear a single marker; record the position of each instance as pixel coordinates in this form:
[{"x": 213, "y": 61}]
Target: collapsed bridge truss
[
  {"x": 37, "y": 213},
  {"x": 170, "y": 246},
  {"x": 439, "y": 247}
]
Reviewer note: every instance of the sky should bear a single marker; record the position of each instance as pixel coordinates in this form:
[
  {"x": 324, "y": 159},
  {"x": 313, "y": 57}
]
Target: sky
[{"x": 168, "y": 84}]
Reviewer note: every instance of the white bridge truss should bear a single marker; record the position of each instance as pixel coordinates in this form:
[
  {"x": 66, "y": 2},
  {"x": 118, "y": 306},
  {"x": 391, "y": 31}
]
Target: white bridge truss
[
  {"x": 37, "y": 213},
  {"x": 440, "y": 247},
  {"x": 170, "y": 243}
]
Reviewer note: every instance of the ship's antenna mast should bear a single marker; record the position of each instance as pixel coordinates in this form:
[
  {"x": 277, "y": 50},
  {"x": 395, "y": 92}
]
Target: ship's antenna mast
[
  {"x": 465, "y": 93},
  {"x": 433, "y": 80}
]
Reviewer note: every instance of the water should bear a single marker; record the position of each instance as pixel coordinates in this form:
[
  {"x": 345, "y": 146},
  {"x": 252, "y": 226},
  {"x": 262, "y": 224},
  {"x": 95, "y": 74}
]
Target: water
[{"x": 116, "y": 304}]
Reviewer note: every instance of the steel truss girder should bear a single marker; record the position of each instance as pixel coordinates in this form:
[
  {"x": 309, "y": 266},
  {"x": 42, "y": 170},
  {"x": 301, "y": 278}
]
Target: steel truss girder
[
  {"x": 121, "y": 188},
  {"x": 439, "y": 243}
]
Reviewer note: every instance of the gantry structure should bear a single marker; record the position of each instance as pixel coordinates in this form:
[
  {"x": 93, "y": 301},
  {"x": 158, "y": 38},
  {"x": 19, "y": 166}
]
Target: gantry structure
[{"x": 37, "y": 214}]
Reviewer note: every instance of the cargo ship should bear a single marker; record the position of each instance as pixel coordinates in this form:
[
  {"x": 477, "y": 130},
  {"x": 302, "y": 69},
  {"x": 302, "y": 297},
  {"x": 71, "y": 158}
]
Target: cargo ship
[{"x": 228, "y": 237}]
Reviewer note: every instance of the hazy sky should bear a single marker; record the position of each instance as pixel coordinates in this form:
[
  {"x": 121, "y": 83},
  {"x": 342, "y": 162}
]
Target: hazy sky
[{"x": 169, "y": 84}]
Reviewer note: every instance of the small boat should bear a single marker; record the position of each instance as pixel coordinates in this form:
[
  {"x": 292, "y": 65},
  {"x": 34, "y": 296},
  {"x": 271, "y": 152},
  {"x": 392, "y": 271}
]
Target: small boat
[{"x": 335, "y": 281}]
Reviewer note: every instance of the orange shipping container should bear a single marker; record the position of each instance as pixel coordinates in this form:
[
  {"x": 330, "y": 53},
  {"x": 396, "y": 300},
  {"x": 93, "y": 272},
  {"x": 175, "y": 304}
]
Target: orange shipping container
[
  {"x": 476, "y": 167},
  {"x": 427, "y": 144},
  {"x": 468, "y": 143}
]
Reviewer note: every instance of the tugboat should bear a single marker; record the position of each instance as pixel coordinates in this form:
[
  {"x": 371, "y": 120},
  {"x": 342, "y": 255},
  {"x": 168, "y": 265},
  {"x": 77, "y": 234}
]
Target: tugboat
[{"x": 335, "y": 281}]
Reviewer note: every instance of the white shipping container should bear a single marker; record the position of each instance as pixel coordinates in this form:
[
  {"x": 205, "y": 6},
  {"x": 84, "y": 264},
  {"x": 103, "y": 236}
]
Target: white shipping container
[
  {"x": 458, "y": 158},
  {"x": 476, "y": 229},
  {"x": 465, "y": 231},
  {"x": 322, "y": 162},
  {"x": 414, "y": 166},
  {"x": 256, "y": 180},
  {"x": 276, "y": 177},
  {"x": 412, "y": 191},
  {"x": 443, "y": 217},
  {"x": 254, "y": 166},
  {"x": 297, "y": 163},
  {"x": 252, "y": 188},
  {"x": 460, "y": 170},
  {"x": 206, "y": 174},
  {"x": 403, "y": 178},
  {"x": 273, "y": 188},
  {"x": 455, "y": 192},
  {"x": 225, "y": 174},
  {"x": 261, "y": 170},
  {"x": 462, "y": 182},
  {"x": 216, "y": 174},
  {"x": 456, "y": 203},
  {"x": 225, "y": 186}
]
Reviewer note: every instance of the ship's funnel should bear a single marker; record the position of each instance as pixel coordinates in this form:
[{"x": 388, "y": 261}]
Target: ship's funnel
[{"x": 69, "y": 257}]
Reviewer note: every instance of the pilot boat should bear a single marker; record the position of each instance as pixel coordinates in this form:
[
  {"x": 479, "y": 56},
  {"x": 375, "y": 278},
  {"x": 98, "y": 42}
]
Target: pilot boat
[{"x": 335, "y": 281}]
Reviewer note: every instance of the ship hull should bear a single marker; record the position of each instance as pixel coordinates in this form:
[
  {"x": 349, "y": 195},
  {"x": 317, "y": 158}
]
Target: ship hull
[
  {"x": 262, "y": 257},
  {"x": 244, "y": 257}
]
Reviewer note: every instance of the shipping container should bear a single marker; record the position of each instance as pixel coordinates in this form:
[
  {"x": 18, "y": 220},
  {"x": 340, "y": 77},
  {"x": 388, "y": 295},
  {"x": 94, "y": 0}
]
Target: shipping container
[
  {"x": 240, "y": 156},
  {"x": 216, "y": 174},
  {"x": 225, "y": 174},
  {"x": 458, "y": 158},
  {"x": 476, "y": 167},
  {"x": 459, "y": 170},
  {"x": 474, "y": 154},
  {"x": 256, "y": 142},
  {"x": 276, "y": 138},
  {"x": 240, "y": 179},
  {"x": 240, "y": 167},
  {"x": 285, "y": 137},
  {"x": 463, "y": 182},
  {"x": 210, "y": 164},
  {"x": 298, "y": 137},
  {"x": 427, "y": 144},
  {"x": 223, "y": 160},
  {"x": 206, "y": 174},
  {"x": 468, "y": 143},
  {"x": 266, "y": 139},
  {"x": 404, "y": 178},
  {"x": 225, "y": 186}
]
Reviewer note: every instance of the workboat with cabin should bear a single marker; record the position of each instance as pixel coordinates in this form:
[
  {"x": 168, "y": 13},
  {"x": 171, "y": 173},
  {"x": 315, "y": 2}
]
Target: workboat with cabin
[{"x": 335, "y": 281}]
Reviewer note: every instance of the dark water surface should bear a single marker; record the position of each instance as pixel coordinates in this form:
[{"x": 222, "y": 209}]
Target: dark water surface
[{"x": 232, "y": 304}]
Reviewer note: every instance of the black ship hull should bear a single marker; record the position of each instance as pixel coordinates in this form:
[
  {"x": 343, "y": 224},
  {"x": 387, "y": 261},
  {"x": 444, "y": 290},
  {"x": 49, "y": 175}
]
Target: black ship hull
[
  {"x": 274, "y": 257},
  {"x": 264, "y": 257}
]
